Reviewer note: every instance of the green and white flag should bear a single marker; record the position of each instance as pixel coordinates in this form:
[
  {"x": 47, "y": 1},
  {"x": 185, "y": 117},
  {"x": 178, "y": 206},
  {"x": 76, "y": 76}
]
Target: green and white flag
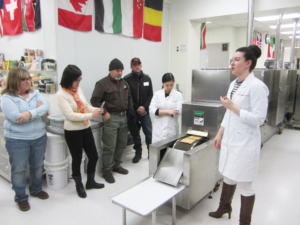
[
  {"x": 108, "y": 16},
  {"x": 202, "y": 38}
]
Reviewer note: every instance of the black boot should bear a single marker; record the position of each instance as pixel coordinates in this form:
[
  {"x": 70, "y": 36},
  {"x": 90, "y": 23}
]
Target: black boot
[
  {"x": 79, "y": 187},
  {"x": 225, "y": 201},
  {"x": 247, "y": 204},
  {"x": 90, "y": 183}
]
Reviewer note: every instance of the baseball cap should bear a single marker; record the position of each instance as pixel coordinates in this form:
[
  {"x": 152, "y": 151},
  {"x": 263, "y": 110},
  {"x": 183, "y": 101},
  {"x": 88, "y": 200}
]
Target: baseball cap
[{"x": 135, "y": 61}]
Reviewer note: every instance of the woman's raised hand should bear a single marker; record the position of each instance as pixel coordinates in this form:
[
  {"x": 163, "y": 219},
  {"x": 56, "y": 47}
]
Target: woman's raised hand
[{"x": 97, "y": 112}]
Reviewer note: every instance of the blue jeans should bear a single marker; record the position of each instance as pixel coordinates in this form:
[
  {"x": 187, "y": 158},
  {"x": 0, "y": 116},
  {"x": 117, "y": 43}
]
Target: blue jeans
[
  {"x": 147, "y": 129},
  {"x": 20, "y": 153}
]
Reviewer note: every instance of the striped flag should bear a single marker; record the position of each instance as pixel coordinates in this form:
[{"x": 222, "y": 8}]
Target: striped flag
[
  {"x": 31, "y": 15},
  {"x": 153, "y": 14},
  {"x": 75, "y": 14},
  {"x": 132, "y": 17},
  {"x": 202, "y": 38},
  {"x": 271, "y": 47},
  {"x": 254, "y": 39},
  {"x": 108, "y": 16}
]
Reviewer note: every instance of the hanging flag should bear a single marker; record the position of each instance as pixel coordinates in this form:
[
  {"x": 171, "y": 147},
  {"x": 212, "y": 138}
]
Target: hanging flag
[
  {"x": 11, "y": 17},
  {"x": 271, "y": 47},
  {"x": 259, "y": 39},
  {"x": 132, "y": 17},
  {"x": 1, "y": 10},
  {"x": 108, "y": 16},
  {"x": 31, "y": 15},
  {"x": 254, "y": 39},
  {"x": 202, "y": 38},
  {"x": 75, "y": 14},
  {"x": 153, "y": 14}
]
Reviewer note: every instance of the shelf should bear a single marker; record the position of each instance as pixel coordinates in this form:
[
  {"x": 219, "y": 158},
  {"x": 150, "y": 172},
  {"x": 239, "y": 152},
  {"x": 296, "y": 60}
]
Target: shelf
[{"x": 34, "y": 71}]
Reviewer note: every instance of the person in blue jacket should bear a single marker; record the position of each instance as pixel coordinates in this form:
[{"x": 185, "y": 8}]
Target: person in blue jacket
[{"x": 25, "y": 134}]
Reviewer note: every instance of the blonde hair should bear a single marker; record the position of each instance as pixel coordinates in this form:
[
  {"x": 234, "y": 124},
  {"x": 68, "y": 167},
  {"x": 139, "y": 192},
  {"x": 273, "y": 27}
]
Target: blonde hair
[{"x": 14, "y": 78}]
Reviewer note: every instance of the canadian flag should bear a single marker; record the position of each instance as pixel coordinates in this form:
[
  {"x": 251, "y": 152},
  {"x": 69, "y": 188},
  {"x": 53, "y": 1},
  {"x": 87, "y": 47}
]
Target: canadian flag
[
  {"x": 75, "y": 14},
  {"x": 11, "y": 17}
]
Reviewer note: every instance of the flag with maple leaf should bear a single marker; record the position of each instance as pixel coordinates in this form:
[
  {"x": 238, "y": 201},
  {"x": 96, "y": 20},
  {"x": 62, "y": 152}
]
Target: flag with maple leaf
[{"x": 75, "y": 14}]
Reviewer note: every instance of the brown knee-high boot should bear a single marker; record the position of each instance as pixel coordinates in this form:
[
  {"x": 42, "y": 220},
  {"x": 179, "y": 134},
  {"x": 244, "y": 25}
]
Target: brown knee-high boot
[
  {"x": 247, "y": 204},
  {"x": 225, "y": 201}
]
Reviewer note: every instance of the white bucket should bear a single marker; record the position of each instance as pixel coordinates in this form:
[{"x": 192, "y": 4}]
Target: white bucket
[
  {"x": 70, "y": 166},
  {"x": 56, "y": 149},
  {"x": 56, "y": 175}
]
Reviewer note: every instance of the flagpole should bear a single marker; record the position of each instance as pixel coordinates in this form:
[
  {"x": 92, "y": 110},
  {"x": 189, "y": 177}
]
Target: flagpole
[
  {"x": 292, "y": 57},
  {"x": 249, "y": 39},
  {"x": 277, "y": 42}
]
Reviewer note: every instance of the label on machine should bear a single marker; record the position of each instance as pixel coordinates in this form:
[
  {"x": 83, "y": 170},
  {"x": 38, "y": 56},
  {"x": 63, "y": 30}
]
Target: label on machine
[{"x": 199, "y": 121}]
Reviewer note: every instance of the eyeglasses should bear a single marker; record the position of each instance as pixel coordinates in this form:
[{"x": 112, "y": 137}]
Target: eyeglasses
[
  {"x": 27, "y": 79},
  {"x": 78, "y": 80}
]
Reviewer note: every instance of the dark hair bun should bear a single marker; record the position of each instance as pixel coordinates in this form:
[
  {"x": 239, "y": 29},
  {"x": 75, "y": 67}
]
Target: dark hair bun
[{"x": 256, "y": 50}]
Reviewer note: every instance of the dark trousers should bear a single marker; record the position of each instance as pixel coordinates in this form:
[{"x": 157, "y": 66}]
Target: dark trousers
[
  {"x": 78, "y": 140},
  {"x": 147, "y": 129}
]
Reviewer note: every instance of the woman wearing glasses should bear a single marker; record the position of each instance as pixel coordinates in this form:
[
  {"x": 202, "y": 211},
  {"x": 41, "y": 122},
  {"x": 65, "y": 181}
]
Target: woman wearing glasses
[
  {"x": 78, "y": 134},
  {"x": 25, "y": 134}
]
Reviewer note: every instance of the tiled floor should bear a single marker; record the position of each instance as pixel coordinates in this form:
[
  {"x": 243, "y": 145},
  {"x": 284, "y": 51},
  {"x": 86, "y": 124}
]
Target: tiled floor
[{"x": 277, "y": 196}]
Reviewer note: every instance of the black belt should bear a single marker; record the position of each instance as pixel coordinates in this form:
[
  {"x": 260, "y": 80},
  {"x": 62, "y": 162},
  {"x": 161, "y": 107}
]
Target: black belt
[{"x": 120, "y": 113}]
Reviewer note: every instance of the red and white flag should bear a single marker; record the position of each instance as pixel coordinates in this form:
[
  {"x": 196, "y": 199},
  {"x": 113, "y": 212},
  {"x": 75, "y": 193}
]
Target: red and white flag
[
  {"x": 75, "y": 14},
  {"x": 11, "y": 17},
  {"x": 1, "y": 27},
  {"x": 132, "y": 17}
]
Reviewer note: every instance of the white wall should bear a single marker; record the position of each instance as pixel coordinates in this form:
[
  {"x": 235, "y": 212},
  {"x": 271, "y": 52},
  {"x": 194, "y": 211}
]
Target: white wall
[
  {"x": 217, "y": 57},
  {"x": 195, "y": 9},
  {"x": 93, "y": 51}
]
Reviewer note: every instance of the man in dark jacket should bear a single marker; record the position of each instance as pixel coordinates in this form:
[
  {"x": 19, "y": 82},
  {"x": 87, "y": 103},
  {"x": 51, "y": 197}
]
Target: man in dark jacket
[
  {"x": 115, "y": 92},
  {"x": 141, "y": 92}
]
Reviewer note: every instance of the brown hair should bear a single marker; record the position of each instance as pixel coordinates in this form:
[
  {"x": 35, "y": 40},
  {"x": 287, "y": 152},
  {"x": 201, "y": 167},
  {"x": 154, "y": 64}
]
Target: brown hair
[{"x": 14, "y": 78}]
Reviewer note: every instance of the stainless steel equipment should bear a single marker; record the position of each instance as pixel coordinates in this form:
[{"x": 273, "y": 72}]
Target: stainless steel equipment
[
  {"x": 200, "y": 158},
  {"x": 296, "y": 122},
  {"x": 291, "y": 88},
  {"x": 200, "y": 169},
  {"x": 209, "y": 85},
  {"x": 278, "y": 97}
]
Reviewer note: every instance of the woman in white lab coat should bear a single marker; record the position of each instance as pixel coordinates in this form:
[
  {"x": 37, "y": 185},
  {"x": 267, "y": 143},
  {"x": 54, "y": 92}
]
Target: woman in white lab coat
[
  {"x": 166, "y": 105},
  {"x": 246, "y": 103}
]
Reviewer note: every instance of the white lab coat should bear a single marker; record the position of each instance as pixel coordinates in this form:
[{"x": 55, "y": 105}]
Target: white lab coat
[
  {"x": 165, "y": 126},
  {"x": 241, "y": 143}
]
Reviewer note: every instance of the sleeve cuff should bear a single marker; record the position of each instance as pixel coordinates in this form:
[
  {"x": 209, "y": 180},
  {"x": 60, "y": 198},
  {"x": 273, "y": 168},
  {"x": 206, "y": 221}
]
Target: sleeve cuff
[
  {"x": 33, "y": 113},
  {"x": 243, "y": 114}
]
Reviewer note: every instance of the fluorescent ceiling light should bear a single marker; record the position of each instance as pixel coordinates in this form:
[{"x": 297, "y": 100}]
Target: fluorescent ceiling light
[
  {"x": 290, "y": 32},
  {"x": 208, "y": 22},
  {"x": 290, "y": 47},
  {"x": 284, "y": 26},
  {"x": 275, "y": 17},
  {"x": 292, "y": 36}
]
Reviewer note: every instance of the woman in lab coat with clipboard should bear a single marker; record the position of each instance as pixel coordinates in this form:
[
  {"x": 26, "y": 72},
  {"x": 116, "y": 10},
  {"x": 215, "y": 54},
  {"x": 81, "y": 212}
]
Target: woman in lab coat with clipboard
[
  {"x": 166, "y": 105},
  {"x": 246, "y": 103}
]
